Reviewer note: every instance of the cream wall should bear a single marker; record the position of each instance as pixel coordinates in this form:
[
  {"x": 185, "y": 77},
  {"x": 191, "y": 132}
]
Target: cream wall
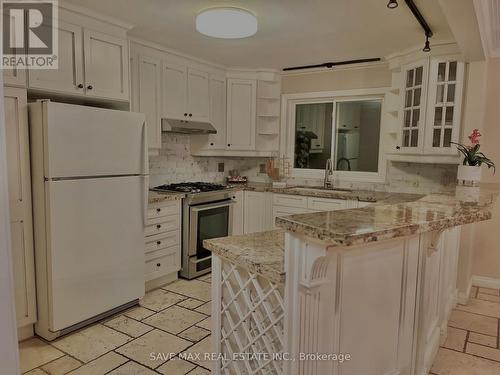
[
  {"x": 337, "y": 79},
  {"x": 486, "y": 259}
]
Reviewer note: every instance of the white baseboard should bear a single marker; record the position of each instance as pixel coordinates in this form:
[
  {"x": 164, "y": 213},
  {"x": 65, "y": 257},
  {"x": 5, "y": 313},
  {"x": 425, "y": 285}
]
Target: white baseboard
[
  {"x": 486, "y": 282},
  {"x": 463, "y": 297}
]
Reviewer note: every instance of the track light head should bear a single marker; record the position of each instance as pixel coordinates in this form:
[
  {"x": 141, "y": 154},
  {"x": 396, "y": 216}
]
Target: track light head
[
  {"x": 392, "y": 4},
  {"x": 427, "y": 47}
]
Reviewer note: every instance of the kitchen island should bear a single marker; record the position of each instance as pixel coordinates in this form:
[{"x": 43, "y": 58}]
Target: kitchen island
[{"x": 358, "y": 291}]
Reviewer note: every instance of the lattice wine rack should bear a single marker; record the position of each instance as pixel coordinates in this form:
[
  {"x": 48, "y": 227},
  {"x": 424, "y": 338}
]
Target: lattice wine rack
[{"x": 251, "y": 317}]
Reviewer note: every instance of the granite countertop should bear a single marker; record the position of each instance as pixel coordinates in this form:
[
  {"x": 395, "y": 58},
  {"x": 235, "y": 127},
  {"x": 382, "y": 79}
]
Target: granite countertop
[
  {"x": 261, "y": 253},
  {"x": 391, "y": 220},
  {"x": 156, "y": 197},
  {"x": 308, "y": 191}
]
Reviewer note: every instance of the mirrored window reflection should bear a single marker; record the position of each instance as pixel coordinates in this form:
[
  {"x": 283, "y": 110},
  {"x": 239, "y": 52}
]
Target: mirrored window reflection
[
  {"x": 357, "y": 135},
  {"x": 313, "y": 135}
]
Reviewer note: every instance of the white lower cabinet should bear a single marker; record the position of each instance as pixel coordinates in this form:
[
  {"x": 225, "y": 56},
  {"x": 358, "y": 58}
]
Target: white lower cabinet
[
  {"x": 162, "y": 236},
  {"x": 18, "y": 172},
  {"x": 238, "y": 213},
  {"x": 257, "y": 211},
  {"x": 438, "y": 292}
]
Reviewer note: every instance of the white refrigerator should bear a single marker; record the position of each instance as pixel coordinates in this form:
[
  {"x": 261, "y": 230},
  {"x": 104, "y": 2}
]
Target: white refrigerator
[{"x": 90, "y": 186}]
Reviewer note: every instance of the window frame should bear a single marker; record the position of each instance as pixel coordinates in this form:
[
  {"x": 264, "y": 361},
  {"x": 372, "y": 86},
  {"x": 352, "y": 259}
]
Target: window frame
[{"x": 287, "y": 133}]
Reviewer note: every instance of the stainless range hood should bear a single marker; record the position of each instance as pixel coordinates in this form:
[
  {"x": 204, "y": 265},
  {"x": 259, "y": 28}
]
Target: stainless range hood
[{"x": 186, "y": 127}]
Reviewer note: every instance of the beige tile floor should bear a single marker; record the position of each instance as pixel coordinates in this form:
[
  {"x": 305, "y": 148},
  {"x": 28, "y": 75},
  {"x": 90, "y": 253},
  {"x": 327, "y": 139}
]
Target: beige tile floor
[
  {"x": 173, "y": 319},
  {"x": 176, "y": 318}
]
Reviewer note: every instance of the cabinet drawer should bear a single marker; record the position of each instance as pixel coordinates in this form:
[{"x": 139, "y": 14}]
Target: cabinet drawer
[
  {"x": 162, "y": 241},
  {"x": 163, "y": 209},
  {"x": 290, "y": 200},
  {"x": 162, "y": 263},
  {"x": 170, "y": 223},
  {"x": 323, "y": 204}
]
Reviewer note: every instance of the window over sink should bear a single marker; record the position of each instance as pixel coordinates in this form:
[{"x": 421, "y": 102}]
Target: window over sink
[{"x": 344, "y": 128}]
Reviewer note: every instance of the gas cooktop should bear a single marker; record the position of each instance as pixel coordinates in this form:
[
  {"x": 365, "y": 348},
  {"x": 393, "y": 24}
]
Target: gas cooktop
[{"x": 191, "y": 187}]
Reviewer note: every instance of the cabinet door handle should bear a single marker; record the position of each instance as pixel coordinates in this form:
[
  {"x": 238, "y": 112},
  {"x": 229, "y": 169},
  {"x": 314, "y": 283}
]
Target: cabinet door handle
[
  {"x": 158, "y": 226},
  {"x": 158, "y": 264},
  {"x": 190, "y": 114},
  {"x": 90, "y": 87},
  {"x": 158, "y": 210},
  {"x": 397, "y": 147},
  {"x": 211, "y": 143},
  {"x": 185, "y": 114},
  {"x": 158, "y": 242},
  {"x": 229, "y": 145},
  {"x": 80, "y": 86}
]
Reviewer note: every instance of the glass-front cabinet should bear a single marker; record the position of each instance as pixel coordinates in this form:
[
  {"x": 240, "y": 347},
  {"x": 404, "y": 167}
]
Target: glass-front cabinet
[
  {"x": 432, "y": 94},
  {"x": 446, "y": 82},
  {"x": 411, "y": 137}
]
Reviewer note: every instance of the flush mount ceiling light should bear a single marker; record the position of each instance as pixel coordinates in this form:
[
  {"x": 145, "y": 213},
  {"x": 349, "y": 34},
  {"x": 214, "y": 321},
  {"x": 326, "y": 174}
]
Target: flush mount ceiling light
[
  {"x": 392, "y": 4},
  {"x": 226, "y": 23}
]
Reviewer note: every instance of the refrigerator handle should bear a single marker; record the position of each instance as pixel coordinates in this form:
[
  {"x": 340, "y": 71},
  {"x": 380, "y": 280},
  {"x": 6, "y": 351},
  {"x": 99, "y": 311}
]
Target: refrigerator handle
[
  {"x": 145, "y": 199},
  {"x": 145, "y": 149}
]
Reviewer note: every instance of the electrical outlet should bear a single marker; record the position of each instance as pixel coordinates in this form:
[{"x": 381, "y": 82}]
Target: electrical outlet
[
  {"x": 220, "y": 167},
  {"x": 262, "y": 168}
]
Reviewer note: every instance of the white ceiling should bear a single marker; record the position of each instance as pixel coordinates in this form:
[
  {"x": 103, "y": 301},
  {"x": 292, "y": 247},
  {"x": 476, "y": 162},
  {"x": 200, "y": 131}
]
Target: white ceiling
[{"x": 291, "y": 32}]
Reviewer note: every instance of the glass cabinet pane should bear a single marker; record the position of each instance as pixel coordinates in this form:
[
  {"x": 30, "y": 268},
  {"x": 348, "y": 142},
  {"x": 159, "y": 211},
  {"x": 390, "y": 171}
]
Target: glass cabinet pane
[
  {"x": 447, "y": 138},
  {"x": 452, "y": 74},
  {"x": 416, "y": 97},
  {"x": 440, "y": 94},
  {"x": 414, "y": 138},
  {"x": 409, "y": 94},
  {"x": 418, "y": 75},
  {"x": 438, "y": 116},
  {"x": 436, "y": 138},
  {"x": 451, "y": 93},
  {"x": 449, "y": 116},
  {"x": 441, "y": 72},
  {"x": 409, "y": 78},
  {"x": 407, "y": 120},
  {"x": 415, "y": 118},
  {"x": 406, "y": 138}
]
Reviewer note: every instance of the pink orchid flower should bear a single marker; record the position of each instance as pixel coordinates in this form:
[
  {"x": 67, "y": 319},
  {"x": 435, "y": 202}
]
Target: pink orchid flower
[{"x": 474, "y": 137}]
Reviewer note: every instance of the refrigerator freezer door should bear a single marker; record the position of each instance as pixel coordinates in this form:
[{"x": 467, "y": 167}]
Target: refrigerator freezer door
[
  {"x": 95, "y": 246},
  {"x": 89, "y": 141}
]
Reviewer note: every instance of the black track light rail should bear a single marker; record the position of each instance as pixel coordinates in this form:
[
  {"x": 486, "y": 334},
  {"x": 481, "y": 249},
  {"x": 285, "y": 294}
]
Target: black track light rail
[
  {"x": 333, "y": 64},
  {"x": 420, "y": 18}
]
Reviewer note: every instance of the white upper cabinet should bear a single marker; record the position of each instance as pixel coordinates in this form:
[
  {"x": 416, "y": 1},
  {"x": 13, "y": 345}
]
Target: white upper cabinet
[
  {"x": 174, "y": 90},
  {"x": 148, "y": 98},
  {"x": 198, "y": 97},
  {"x": 185, "y": 92},
  {"x": 92, "y": 60},
  {"x": 217, "y": 113},
  {"x": 414, "y": 96},
  {"x": 68, "y": 77},
  {"x": 446, "y": 80},
  {"x": 106, "y": 65},
  {"x": 241, "y": 112},
  {"x": 431, "y": 97}
]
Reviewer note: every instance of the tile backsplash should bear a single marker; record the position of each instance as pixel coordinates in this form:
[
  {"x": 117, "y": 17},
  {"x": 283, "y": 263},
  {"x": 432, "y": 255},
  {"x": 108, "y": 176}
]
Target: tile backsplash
[{"x": 176, "y": 164}]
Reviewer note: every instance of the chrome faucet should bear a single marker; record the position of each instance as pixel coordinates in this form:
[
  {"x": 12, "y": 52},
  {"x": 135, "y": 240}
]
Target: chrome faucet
[{"x": 328, "y": 183}]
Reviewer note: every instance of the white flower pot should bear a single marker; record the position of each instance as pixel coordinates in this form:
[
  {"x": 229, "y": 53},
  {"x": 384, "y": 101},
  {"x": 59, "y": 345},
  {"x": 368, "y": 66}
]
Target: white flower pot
[{"x": 468, "y": 175}]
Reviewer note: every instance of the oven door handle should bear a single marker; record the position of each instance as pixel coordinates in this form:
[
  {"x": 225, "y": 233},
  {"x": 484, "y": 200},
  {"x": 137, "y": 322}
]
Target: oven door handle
[
  {"x": 199, "y": 260},
  {"x": 212, "y": 205}
]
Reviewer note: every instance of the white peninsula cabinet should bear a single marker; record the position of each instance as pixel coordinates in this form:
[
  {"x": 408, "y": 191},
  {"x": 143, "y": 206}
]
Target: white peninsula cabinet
[
  {"x": 92, "y": 60},
  {"x": 18, "y": 169},
  {"x": 431, "y": 107}
]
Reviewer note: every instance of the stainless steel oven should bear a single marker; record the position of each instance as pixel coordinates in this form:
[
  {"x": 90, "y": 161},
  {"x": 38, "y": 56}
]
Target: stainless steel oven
[{"x": 205, "y": 216}]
